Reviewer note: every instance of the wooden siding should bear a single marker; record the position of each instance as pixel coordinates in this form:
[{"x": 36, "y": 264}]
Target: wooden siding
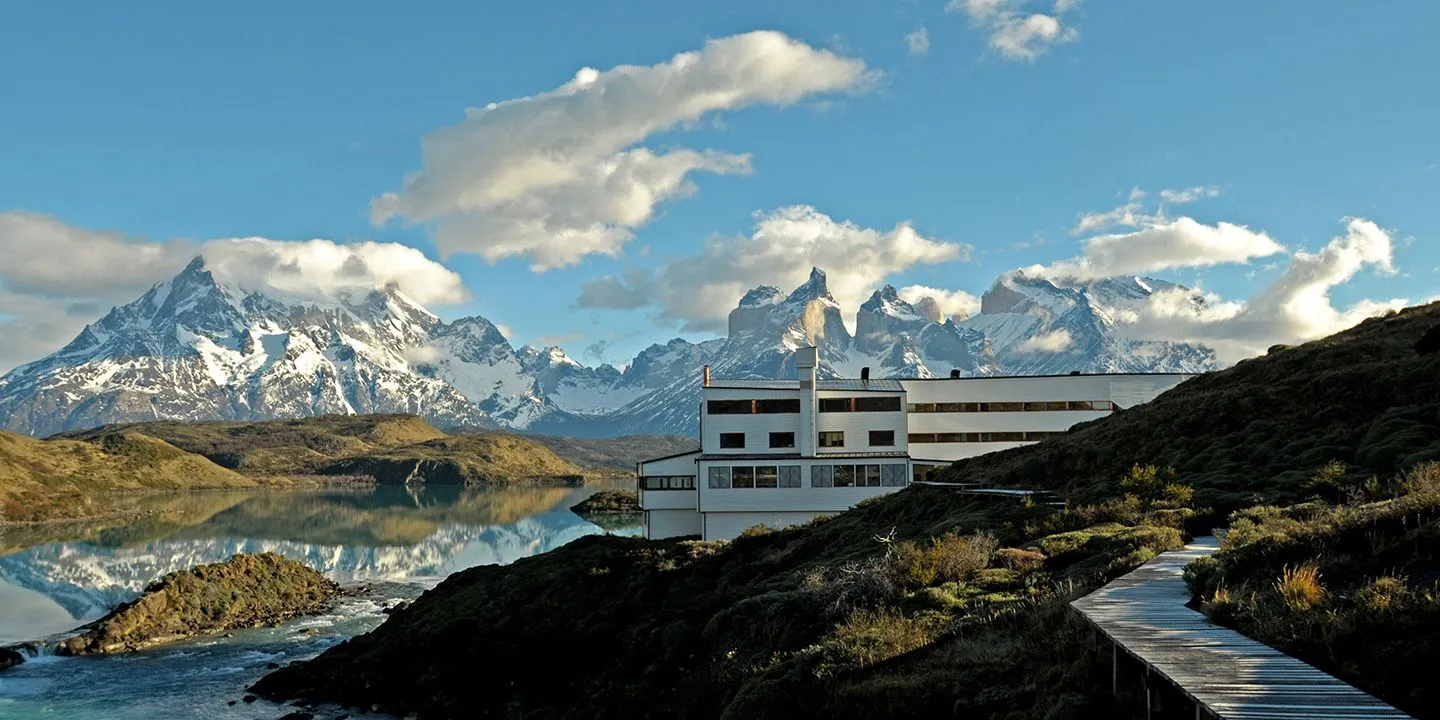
[
  {"x": 729, "y": 525},
  {"x": 1230, "y": 676},
  {"x": 671, "y": 523},
  {"x": 681, "y": 465},
  {"x": 669, "y": 499}
]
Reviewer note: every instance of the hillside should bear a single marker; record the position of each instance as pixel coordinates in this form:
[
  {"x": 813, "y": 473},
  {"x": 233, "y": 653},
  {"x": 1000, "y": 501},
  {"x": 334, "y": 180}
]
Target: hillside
[
  {"x": 62, "y": 477},
  {"x": 282, "y": 447},
  {"x": 41, "y": 479},
  {"x": 1253, "y": 434},
  {"x": 918, "y": 604},
  {"x": 619, "y": 453}
]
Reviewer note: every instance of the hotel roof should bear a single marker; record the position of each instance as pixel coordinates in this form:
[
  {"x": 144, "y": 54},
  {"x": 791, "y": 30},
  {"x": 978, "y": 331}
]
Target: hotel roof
[{"x": 878, "y": 385}]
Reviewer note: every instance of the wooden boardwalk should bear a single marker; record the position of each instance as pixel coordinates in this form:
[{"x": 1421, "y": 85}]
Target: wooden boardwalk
[{"x": 1226, "y": 674}]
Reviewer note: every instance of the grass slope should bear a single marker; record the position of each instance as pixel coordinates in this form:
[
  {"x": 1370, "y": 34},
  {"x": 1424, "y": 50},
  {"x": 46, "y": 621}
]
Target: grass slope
[
  {"x": 918, "y": 604},
  {"x": 1253, "y": 434},
  {"x": 41, "y": 479}
]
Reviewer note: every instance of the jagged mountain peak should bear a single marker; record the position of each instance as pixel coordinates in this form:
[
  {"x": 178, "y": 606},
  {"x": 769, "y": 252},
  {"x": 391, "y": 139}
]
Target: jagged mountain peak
[{"x": 813, "y": 288}]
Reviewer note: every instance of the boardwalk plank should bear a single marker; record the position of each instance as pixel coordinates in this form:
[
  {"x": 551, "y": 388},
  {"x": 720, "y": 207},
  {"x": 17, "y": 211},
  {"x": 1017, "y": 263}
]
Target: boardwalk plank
[{"x": 1232, "y": 676}]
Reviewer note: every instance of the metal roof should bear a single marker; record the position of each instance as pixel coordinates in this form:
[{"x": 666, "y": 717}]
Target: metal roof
[{"x": 856, "y": 385}]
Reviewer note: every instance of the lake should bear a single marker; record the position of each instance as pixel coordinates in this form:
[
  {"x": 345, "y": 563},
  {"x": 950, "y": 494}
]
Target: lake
[{"x": 399, "y": 541}]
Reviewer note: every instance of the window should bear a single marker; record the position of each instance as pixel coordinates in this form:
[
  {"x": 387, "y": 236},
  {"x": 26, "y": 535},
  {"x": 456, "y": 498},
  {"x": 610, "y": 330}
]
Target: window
[
  {"x": 782, "y": 439},
  {"x": 835, "y": 404},
  {"x": 1030, "y": 406},
  {"x": 882, "y": 438},
  {"x": 742, "y": 477},
  {"x": 767, "y": 476},
  {"x": 844, "y": 476},
  {"x": 775, "y": 406},
  {"x": 728, "y": 407},
  {"x": 859, "y": 476},
  {"x": 719, "y": 477},
  {"x": 975, "y": 437},
  {"x": 789, "y": 476},
  {"x": 668, "y": 482},
  {"x": 877, "y": 404},
  {"x": 832, "y": 439},
  {"x": 732, "y": 441}
]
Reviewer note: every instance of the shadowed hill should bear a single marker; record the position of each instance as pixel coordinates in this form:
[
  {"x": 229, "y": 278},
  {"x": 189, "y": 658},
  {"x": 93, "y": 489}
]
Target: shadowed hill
[
  {"x": 923, "y": 603},
  {"x": 1368, "y": 397}
]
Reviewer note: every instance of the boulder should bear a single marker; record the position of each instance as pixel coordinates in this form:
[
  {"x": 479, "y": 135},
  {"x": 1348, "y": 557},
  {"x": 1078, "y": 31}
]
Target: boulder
[
  {"x": 10, "y": 657},
  {"x": 249, "y": 590}
]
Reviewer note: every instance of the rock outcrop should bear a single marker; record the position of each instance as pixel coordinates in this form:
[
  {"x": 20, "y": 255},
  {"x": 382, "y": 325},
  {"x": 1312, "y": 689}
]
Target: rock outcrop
[
  {"x": 249, "y": 590},
  {"x": 609, "y": 502},
  {"x": 9, "y": 658}
]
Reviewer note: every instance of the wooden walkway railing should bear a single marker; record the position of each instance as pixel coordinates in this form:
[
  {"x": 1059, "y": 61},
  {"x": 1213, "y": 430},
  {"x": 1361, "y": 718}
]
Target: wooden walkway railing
[{"x": 1225, "y": 674}]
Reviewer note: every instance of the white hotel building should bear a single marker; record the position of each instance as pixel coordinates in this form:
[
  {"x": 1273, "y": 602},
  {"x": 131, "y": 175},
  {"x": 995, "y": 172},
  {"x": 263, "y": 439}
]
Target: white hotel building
[{"x": 780, "y": 452}]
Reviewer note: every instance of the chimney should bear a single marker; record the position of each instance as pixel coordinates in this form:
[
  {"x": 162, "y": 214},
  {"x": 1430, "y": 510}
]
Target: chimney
[
  {"x": 705, "y": 377},
  {"x": 806, "y": 359},
  {"x": 865, "y": 373},
  {"x": 954, "y": 374}
]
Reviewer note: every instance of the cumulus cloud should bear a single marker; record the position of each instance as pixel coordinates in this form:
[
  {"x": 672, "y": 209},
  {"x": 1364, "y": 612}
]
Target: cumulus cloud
[
  {"x": 1157, "y": 242},
  {"x": 699, "y": 291},
  {"x": 558, "y": 176},
  {"x": 956, "y": 303},
  {"x": 1056, "y": 341},
  {"x": 57, "y": 278},
  {"x": 1014, "y": 30},
  {"x": 919, "y": 41},
  {"x": 1296, "y": 308},
  {"x": 1164, "y": 245}
]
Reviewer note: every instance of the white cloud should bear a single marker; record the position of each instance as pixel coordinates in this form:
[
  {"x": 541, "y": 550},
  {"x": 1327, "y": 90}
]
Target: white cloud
[
  {"x": 957, "y": 303},
  {"x": 1187, "y": 195},
  {"x": 1056, "y": 341},
  {"x": 1296, "y": 308},
  {"x": 558, "y": 176},
  {"x": 1014, "y": 32},
  {"x": 56, "y": 278},
  {"x": 919, "y": 41},
  {"x": 322, "y": 269},
  {"x": 699, "y": 291},
  {"x": 505, "y": 330},
  {"x": 1133, "y": 213},
  {"x": 1162, "y": 245}
]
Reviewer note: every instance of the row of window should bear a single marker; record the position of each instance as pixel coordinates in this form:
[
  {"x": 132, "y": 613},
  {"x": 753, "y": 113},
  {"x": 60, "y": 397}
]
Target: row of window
[
  {"x": 667, "y": 482},
  {"x": 1038, "y": 406},
  {"x": 821, "y": 476},
  {"x": 755, "y": 477},
  {"x": 827, "y": 439},
  {"x": 792, "y": 405},
  {"x": 983, "y": 437}
]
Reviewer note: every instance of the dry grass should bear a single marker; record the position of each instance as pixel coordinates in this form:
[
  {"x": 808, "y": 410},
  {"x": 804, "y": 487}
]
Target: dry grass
[{"x": 1300, "y": 587}]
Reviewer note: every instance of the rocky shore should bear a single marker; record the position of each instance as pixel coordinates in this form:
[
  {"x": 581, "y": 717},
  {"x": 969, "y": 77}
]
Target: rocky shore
[
  {"x": 249, "y": 590},
  {"x": 609, "y": 502},
  {"x": 10, "y": 657}
]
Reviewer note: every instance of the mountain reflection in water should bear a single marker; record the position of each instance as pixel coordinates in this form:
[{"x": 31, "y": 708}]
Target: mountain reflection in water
[{"x": 400, "y": 534}]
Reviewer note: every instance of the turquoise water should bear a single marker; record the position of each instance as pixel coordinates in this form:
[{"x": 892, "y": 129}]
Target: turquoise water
[{"x": 394, "y": 541}]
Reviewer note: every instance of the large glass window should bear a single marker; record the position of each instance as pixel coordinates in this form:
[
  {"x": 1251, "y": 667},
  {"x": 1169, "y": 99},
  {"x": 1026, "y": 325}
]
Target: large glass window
[
  {"x": 844, "y": 476},
  {"x": 1030, "y": 406},
  {"x": 767, "y": 476},
  {"x": 832, "y": 439},
  {"x": 774, "y": 406},
  {"x": 728, "y": 407},
  {"x": 742, "y": 477},
  {"x": 882, "y": 403},
  {"x": 782, "y": 439},
  {"x": 882, "y": 438},
  {"x": 668, "y": 482},
  {"x": 719, "y": 477},
  {"x": 732, "y": 441},
  {"x": 828, "y": 405}
]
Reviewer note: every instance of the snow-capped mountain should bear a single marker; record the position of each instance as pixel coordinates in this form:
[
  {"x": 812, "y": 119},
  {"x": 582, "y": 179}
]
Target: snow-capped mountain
[{"x": 193, "y": 348}]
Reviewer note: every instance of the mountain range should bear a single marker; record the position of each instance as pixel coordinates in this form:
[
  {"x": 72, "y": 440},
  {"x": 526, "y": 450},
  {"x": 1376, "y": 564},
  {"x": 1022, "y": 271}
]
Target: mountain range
[{"x": 194, "y": 348}]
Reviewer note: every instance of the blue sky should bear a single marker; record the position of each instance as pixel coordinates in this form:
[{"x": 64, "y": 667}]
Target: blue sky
[{"x": 165, "y": 120}]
